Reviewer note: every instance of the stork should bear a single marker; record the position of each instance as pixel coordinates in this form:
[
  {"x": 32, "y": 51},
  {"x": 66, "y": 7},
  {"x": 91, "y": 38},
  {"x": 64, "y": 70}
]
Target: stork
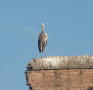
[{"x": 42, "y": 39}]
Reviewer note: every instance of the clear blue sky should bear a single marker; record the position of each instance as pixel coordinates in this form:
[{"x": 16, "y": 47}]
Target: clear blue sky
[{"x": 69, "y": 24}]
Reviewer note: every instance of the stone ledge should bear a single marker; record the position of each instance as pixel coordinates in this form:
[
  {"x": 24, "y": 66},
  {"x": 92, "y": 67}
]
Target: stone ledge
[{"x": 61, "y": 62}]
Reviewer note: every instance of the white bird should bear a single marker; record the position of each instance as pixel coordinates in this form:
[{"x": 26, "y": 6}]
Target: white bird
[{"x": 42, "y": 39}]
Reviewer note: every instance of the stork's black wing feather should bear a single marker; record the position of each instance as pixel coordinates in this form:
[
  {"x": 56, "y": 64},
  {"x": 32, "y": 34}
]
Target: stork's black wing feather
[{"x": 39, "y": 45}]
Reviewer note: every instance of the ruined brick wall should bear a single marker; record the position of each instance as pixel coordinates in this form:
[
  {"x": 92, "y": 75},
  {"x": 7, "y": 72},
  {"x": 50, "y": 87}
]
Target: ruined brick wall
[
  {"x": 73, "y": 79},
  {"x": 55, "y": 78}
]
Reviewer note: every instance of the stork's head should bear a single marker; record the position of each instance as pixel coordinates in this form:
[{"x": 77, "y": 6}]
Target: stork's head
[{"x": 42, "y": 25}]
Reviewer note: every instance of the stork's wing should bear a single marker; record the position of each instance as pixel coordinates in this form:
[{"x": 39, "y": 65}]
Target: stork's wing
[{"x": 39, "y": 45}]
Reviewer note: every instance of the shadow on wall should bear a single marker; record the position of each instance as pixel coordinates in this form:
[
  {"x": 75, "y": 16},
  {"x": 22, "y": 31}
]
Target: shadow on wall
[{"x": 90, "y": 88}]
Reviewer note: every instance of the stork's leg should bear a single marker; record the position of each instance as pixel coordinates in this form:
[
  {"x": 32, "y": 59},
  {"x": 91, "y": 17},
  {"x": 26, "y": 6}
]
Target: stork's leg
[
  {"x": 45, "y": 53},
  {"x": 41, "y": 54}
]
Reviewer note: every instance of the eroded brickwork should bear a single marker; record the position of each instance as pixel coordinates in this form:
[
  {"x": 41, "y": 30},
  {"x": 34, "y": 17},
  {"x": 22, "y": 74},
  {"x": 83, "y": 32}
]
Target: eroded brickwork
[
  {"x": 65, "y": 79},
  {"x": 60, "y": 73}
]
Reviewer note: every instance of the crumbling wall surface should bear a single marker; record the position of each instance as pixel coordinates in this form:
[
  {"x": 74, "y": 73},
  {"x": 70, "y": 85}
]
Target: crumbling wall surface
[
  {"x": 58, "y": 74},
  {"x": 71, "y": 79}
]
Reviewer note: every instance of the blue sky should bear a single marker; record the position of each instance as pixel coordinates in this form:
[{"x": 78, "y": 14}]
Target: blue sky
[{"x": 69, "y": 24}]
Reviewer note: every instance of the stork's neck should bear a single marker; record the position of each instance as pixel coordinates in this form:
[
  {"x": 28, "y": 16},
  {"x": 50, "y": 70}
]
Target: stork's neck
[{"x": 43, "y": 28}]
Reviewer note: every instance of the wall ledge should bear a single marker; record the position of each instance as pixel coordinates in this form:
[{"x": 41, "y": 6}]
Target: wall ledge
[{"x": 61, "y": 62}]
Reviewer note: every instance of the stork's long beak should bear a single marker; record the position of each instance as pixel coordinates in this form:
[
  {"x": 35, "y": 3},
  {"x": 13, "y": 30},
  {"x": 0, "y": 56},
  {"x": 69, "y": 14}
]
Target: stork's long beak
[{"x": 42, "y": 26}]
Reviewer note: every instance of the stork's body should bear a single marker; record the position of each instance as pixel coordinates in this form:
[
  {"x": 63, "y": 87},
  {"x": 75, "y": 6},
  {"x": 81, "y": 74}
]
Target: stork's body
[{"x": 42, "y": 40}]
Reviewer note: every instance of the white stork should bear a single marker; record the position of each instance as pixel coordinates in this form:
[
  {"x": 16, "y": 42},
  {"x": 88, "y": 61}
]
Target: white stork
[{"x": 42, "y": 39}]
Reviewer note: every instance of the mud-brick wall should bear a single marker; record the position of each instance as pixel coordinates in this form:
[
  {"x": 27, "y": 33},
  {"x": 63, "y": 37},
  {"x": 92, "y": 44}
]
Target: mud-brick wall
[{"x": 52, "y": 75}]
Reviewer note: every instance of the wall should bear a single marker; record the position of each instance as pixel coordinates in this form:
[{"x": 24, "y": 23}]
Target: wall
[{"x": 43, "y": 77}]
